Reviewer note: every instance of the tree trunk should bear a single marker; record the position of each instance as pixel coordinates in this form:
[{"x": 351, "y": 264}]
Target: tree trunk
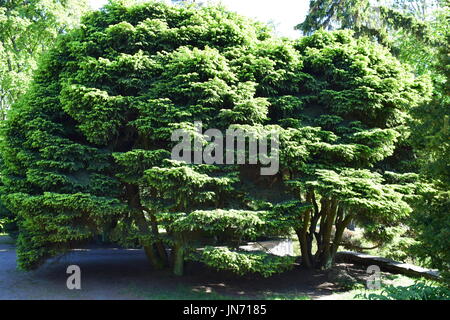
[
  {"x": 157, "y": 261},
  {"x": 149, "y": 248},
  {"x": 326, "y": 260},
  {"x": 331, "y": 214},
  {"x": 158, "y": 244},
  {"x": 306, "y": 232},
  {"x": 306, "y": 260},
  {"x": 302, "y": 235},
  {"x": 178, "y": 261},
  {"x": 327, "y": 257}
]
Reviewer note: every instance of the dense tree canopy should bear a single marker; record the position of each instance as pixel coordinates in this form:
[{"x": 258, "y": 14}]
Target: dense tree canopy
[{"x": 88, "y": 149}]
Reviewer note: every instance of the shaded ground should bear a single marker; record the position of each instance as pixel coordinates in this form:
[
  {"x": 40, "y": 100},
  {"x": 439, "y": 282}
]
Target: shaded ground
[{"x": 111, "y": 273}]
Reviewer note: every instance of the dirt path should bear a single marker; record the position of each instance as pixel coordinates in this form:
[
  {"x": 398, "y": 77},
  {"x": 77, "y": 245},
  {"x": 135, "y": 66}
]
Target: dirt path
[{"x": 111, "y": 273}]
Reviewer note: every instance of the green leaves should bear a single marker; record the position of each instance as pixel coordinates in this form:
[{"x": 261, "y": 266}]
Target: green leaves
[
  {"x": 133, "y": 163},
  {"x": 420, "y": 290},
  {"x": 51, "y": 222},
  {"x": 98, "y": 113},
  {"x": 184, "y": 187},
  {"x": 361, "y": 192},
  {"x": 431, "y": 221},
  {"x": 26, "y": 30},
  {"x": 246, "y": 262},
  {"x": 242, "y": 223}
]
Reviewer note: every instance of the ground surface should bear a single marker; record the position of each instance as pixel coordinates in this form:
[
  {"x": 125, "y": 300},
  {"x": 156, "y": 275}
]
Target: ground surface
[{"x": 112, "y": 273}]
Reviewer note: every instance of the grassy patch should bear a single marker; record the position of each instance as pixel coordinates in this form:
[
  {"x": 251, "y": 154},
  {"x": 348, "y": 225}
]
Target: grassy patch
[
  {"x": 286, "y": 297},
  {"x": 390, "y": 279},
  {"x": 184, "y": 292},
  {"x": 180, "y": 292}
]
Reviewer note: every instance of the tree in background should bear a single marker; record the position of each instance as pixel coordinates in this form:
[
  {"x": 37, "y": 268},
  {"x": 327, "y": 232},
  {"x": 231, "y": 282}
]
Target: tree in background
[
  {"x": 28, "y": 28},
  {"x": 412, "y": 29},
  {"x": 431, "y": 138},
  {"x": 373, "y": 18},
  {"x": 88, "y": 149}
]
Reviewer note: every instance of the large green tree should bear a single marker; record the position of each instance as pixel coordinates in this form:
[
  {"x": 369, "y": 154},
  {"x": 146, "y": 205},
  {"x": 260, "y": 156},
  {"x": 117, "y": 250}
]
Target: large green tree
[{"x": 88, "y": 149}]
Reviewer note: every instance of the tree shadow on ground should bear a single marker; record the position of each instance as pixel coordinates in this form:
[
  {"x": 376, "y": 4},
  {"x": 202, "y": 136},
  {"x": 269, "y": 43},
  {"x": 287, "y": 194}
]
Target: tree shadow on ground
[{"x": 114, "y": 273}]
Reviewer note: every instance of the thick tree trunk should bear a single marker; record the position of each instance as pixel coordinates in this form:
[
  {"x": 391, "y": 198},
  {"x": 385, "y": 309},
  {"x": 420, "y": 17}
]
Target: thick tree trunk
[
  {"x": 178, "y": 260},
  {"x": 327, "y": 255},
  {"x": 325, "y": 260},
  {"x": 340, "y": 227},
  {"x": 330, "y": 214},
  {"x": 303, "y": 237},
  {"x": 158, "y": 244},
  {"x": 306, "y": 259},
  {"x": 153, "y": 250},
  {"x": 156, "y": 260}
]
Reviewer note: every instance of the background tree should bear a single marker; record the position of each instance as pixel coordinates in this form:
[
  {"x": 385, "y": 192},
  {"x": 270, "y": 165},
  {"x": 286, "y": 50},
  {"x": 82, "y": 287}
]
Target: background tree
[
  {"x": 431, "y": 138},
  {"x": 27, "y": 28},
  {"x": 88, "y": 149},
  {"x": 412, "y": 29}
]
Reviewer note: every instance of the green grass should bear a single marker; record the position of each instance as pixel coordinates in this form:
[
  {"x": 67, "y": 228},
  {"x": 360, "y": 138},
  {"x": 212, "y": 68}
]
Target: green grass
[
  {"x": 397, "y": 280},
  {"x": 285, "y": 297},
  {"x": 183, "y": 292}
]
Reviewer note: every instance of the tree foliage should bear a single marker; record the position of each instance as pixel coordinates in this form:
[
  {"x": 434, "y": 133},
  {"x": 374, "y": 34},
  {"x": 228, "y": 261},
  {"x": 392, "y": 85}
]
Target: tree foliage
[
  {"x": 413, "y": 30},
  {"x": 27, "y": 28},
  {"x": 431, "y": 134},
  {"x": 421, "y": 290},
  {"x": 88, "y": 148}
]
